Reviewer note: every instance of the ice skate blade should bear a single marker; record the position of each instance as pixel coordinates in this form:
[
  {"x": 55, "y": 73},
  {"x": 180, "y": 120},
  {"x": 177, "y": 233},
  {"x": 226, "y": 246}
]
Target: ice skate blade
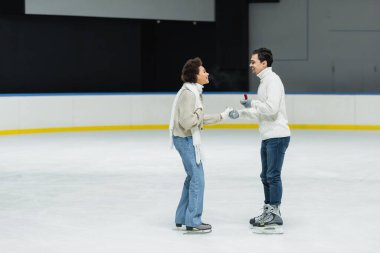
[
  {"x": 197, "y": 232},
  {"x": 181, "y": 229},
  {"x": 273, "y": 229}
]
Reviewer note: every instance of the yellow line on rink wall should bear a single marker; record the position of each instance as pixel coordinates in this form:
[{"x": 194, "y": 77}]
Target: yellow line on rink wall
[
  {"x": 165, "y": 127},
  {"x": 232, "y": 126},
  {"x": 302, "y": 126},
  {"x": 334, "y": 127},
  {"x": 83, "y": 129}
]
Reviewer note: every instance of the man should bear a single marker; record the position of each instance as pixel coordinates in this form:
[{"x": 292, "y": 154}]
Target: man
[{"x": 269, "y": 108}]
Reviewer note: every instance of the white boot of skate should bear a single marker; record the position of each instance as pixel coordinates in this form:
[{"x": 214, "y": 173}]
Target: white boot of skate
[{"x": 271, "y": 223}]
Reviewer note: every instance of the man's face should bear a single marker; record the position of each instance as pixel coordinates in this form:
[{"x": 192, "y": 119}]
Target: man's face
[
  {"x": 202, "y": 77},
  {"x": 257, "y": 66}
]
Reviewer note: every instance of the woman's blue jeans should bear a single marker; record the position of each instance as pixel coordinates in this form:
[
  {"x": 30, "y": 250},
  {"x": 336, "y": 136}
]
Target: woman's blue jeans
[
  {"x": 190, "y": 207},
  {"x": 272, "y": 158}
]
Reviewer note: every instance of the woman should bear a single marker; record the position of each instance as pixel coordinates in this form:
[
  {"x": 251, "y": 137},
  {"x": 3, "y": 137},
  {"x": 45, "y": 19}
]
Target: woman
[{"x": 186, "y": 123}]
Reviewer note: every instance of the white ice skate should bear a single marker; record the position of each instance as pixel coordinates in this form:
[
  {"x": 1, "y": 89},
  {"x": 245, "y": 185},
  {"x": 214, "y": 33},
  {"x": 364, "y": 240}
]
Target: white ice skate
[{"x": 270, "y": 222}]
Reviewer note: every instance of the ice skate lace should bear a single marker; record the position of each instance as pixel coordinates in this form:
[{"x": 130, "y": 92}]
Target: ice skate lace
[
  {"x": 261, "y": 216},
  {"x": 268, "y": 216}
]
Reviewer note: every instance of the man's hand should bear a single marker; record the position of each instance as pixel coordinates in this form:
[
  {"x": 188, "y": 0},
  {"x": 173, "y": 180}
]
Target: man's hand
[
  {"x": 234, "y": 114},
  {"x": 246, "y": 102}
]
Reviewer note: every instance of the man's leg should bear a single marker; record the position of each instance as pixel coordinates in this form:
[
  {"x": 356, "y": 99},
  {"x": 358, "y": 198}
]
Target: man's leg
[
  {"x": 276, "y": 149},
  {"x": 271, "y": 222},
  {"x": 264, "y": 170}
]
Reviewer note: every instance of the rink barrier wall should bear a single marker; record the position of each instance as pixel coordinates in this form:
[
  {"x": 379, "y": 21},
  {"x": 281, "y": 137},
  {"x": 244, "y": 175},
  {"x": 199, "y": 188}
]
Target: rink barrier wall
[{"x": 41, "y": 113}]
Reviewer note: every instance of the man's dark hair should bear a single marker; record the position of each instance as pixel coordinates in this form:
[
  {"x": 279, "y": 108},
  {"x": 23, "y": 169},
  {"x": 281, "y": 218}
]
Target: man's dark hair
[
  {"x": 191, "y": 69},
  {"x": 264, "y": 54}
]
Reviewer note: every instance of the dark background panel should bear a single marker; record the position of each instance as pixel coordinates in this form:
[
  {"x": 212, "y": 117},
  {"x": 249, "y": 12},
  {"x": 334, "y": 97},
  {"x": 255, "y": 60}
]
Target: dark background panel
[
  {"x": 232, "y": 45},
  {"x": 264, "y": 1},
  {"x": 222, "y": 45},
  {"x": 69, "y": 54},
  {"x": 41, "y": 53},
  {"x": 12, "y": 7},
  {"x": 167, "y": 46}
]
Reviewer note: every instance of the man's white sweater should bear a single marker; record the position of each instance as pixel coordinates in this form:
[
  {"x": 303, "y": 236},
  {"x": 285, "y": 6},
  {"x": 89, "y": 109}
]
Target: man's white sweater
[{"x": 269, "y": 106}]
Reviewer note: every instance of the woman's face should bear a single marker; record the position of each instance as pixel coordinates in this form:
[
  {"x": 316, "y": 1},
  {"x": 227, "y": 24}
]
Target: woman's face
[{"x": 202, "y": 77}]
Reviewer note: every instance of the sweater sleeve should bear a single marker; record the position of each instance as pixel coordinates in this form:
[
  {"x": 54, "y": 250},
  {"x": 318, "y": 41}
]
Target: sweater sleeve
[
  {"x": 187, "y": 116},
  {"x": 212, "y": 119},
  {"x": 248, "y": 113},
  {"x": 272, "y": 103}
]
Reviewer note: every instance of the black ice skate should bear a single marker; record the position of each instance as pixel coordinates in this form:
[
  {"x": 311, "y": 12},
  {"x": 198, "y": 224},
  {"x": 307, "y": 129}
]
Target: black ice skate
[
  {"x": 179, "y": 227},
  {"x": 271, "y": 223},
  {"x": 202, "y": 228}
]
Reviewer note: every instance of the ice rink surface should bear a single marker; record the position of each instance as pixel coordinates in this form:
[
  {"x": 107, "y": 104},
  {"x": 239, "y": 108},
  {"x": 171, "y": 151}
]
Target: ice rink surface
[{"x": 117, "y": 191}]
